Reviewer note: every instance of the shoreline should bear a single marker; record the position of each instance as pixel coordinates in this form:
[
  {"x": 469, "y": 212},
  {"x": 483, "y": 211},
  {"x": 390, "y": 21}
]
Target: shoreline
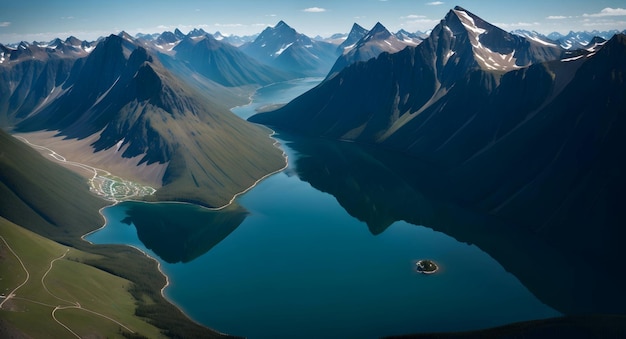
[
  {"x": 159, "y": 264},
  {"x": 276, "y": 143}
]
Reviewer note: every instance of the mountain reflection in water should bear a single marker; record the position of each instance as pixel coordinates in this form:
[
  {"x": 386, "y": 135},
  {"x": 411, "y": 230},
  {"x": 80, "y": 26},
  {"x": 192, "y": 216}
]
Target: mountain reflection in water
[
  {"x": 181, "y": 232},
  {"x": 380, "y": 187}
]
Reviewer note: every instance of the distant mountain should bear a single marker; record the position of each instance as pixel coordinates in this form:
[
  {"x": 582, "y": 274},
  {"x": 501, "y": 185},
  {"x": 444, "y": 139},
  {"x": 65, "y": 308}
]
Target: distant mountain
[
  {"x": 142, "y": 119},
  {"x": 235, "y": 40},
  {"x": 571, "y": 41},
  {"x": 374, "y": 42},
  {"x": 283, "y": 47},
  {"x": 537, "y": 37},
  {"x": 410, "y": 39},
  {"x": 356, "y": 33},
  {"x": 222, "y": 62},
  {"x": 32, "y": 75}
]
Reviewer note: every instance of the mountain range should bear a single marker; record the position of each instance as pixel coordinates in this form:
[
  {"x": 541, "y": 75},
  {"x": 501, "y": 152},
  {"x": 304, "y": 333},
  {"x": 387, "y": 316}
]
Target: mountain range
[
  {"x": 572, "y": 40},
  {"x": 370, "y": 44},
  {"x": 522, "y": 130},
  {"x": 283, "y": 47},
  {"x": 136, "y": 118}
]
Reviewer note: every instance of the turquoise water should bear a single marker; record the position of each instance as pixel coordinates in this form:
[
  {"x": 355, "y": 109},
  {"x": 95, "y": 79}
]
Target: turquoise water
[{"x": 320, "y": 250}]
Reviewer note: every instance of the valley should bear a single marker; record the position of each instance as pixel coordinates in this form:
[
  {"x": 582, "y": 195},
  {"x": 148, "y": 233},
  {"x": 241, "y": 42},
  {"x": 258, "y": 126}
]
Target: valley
[
  {"x": 101, "y": 182},
  {"x": 283, "y": 185}
]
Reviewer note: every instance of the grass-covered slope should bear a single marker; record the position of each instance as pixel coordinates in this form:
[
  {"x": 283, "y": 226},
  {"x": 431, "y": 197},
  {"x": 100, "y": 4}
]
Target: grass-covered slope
[
  {"x": 55, "y": 276},
  {"x": 49, "y": 200},
  {"x": 43, "y": 196}
]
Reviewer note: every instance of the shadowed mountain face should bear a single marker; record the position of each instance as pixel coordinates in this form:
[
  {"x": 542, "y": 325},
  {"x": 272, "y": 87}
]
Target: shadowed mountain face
[
  {"x": 31, "y": 75},
  {"x": 538, "y": 146},
  {"x": 125, "y": 97}
]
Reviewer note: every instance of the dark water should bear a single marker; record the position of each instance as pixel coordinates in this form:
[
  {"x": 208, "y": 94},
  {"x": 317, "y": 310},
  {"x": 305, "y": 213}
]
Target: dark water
[{"x": 327, "y": 248}]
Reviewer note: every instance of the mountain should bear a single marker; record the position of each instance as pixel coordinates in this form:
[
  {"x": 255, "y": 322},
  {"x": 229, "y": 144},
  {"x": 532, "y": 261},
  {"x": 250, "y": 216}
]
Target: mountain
[
  {"x": 536, "y": 36},
  {"x": 523, "y": 131},
  {"x": 234, "y": 40},
  {"x": 222, "y": 62},
  {"x": 283, "y": 47},
  {"x": 574, "y": 40},
  {"x": 376, "y": 41},
  {"x": 140, "y": 120},
  {"x": 356, "y": 33},
  {"x": 411, "y": 39},
  {"x": 31, "y": 75},
  {"x": 409, "y": 81}
]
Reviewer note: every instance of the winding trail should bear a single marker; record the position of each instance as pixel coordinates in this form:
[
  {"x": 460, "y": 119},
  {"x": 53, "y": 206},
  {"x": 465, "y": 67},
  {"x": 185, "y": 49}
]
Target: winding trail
[
  {"x": 73, "y": 304},
  {"x": 43, "y": 277},
  {"x": 25, "y": 270}
]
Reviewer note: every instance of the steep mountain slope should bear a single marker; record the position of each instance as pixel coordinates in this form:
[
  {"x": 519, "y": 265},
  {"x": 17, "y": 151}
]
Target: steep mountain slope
[
  {"x": 140, "y": 114},
  {"x": 31, "y": 76},
  {"x": 536, "y": 145},
  {"x": 283, "y": 47},
  {"x": 376, "y": 41}
]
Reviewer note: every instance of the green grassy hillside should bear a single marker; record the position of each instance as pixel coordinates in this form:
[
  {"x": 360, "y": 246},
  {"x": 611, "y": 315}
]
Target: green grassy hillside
[{"x": 62, "y": 284}]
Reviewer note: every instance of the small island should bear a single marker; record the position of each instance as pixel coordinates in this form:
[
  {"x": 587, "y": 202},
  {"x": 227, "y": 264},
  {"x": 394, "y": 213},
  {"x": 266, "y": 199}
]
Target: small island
[{"x": 426, "y": 266}]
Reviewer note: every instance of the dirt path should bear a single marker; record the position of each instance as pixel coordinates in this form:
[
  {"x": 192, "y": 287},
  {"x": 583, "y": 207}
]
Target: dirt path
[
  {"x": 25, "y": 270},
  {"x": 73, "y": 304}
]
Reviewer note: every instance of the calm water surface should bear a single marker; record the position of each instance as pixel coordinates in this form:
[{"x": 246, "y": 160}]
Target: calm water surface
[{"x": 292, "y": 261}]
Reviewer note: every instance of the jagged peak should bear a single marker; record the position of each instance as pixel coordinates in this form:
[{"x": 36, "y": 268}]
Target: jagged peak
[
  {"x": 178, "y": 33},
  {"x": 196, "y": 32},
  {"x": 139, "y": 55},
  {"x": 377, "y": 32},
  {"x": 357, "y": 28},
  {"x": 281, "y": 23},
  {"x": 72, "y": 40},
  {"x": 126, "y": 36}
]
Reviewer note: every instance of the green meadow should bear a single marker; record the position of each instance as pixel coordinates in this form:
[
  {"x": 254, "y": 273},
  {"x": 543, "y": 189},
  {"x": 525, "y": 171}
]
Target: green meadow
[{"x": 89, "y": 301}]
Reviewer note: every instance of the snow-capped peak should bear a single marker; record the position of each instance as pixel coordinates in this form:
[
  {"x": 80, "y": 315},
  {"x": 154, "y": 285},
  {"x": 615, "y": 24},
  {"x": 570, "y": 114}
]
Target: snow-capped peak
[{"x": 484, "y": 56}]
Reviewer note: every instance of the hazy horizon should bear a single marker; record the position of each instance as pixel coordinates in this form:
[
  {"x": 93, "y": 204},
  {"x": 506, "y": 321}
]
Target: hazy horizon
[{"x": 89, "y": 20}]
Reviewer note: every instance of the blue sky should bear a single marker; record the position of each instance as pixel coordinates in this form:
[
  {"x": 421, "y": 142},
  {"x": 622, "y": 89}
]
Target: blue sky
[{"x": 43, "y": 20}]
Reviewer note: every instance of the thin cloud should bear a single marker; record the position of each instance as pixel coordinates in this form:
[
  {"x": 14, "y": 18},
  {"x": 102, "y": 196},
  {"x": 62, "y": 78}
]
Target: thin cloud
[
  {"x": 435, "y": 3},
  {"x": 608, "y": 12},
  {"x": 556, "y": 17},
  {"x": 413, "y": 17},
  {"x": 516, "y": 24},
  {"x": 5, "y": 24},
  {"x": 314, "y": 10}
]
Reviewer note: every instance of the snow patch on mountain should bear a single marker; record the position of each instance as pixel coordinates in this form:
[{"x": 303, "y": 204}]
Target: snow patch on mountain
[
  {"x": 487, "y": 58},
  {"x": 282, "y": 49}
]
